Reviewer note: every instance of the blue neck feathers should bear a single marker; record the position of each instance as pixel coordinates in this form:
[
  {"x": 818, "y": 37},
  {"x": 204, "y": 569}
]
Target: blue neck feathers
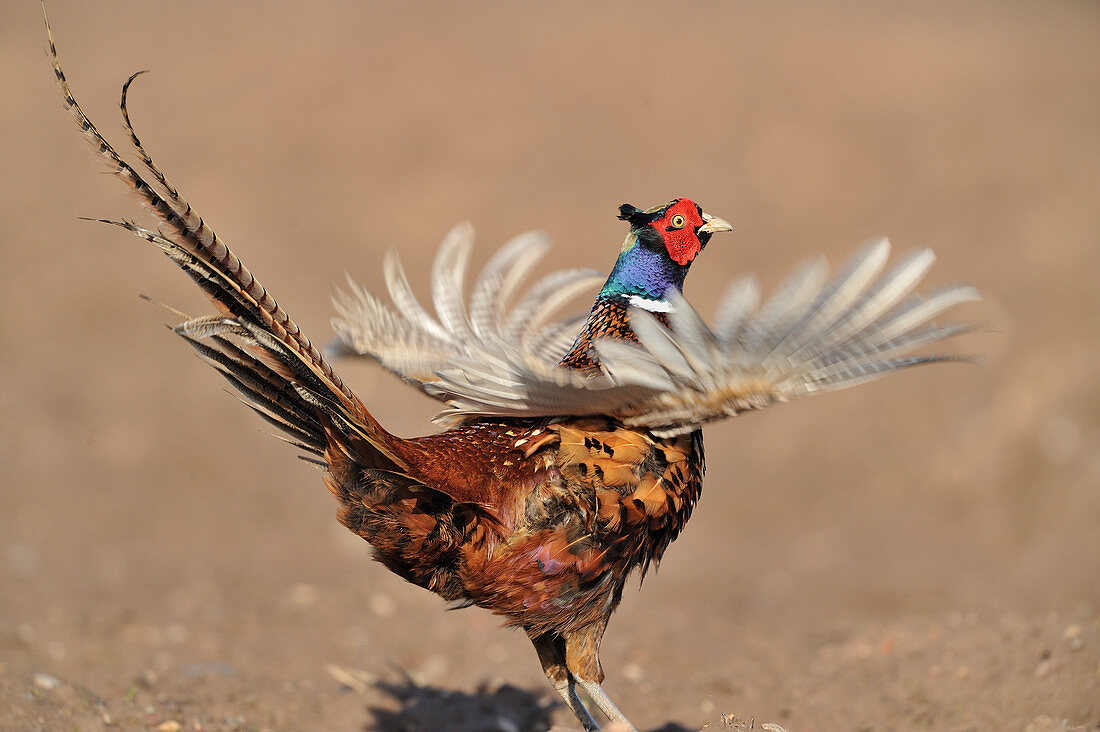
[{"x": 644, "y": 272}]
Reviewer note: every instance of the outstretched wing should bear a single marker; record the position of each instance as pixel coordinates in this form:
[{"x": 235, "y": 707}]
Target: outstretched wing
[
  {"x": 415, "y": 344},
  {"x": 815, "y": 334}
]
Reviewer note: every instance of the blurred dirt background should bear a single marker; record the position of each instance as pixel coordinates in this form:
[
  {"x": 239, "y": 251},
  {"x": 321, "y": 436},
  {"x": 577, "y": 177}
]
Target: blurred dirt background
[{"x": 919, "y": 553}]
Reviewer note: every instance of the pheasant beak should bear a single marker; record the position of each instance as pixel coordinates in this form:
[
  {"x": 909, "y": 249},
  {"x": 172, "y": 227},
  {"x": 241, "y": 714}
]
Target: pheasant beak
[{"x": 712, "y": 224}]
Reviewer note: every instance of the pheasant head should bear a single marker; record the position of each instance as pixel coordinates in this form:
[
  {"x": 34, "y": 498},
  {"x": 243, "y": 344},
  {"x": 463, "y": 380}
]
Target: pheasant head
[{"x": 662, "y": 243}]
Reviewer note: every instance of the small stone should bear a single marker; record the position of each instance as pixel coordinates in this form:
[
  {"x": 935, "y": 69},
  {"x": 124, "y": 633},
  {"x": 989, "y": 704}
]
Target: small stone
[
  {"x": 431, "y": 669},
  {"x": 1047, "y": 667},
  {"x": 382, "y": 605},
  {"x": 492, "y": 686},
  {"x": 353, "y": 678},
  {"x": 506, "y": 725},
  {"x": 1072, "y": 631},
  {"x": 170, "y": 726},
  {"x": 301, "y": 595},
  {"x": 25, "y": 633},
  {"x": 732, "y": 721},
  {"x": 1045, "y": 723},
  {"x": 45, "y": 681}
]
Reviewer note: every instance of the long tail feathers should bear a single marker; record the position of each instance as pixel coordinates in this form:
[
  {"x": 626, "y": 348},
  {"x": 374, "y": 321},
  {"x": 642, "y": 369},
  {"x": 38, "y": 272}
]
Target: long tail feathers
[{"x": 288, "y": 381}]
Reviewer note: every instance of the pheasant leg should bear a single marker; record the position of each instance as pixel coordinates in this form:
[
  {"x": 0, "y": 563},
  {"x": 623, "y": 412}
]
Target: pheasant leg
[
  {"x": 568, "y": 692},
  {"x": 551, "y": 651},
  {"x": 603, "y": 701}
]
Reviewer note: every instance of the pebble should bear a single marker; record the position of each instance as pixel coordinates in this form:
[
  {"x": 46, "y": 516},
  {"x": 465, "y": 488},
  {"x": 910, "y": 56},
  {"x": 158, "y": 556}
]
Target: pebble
[
  {"x": 431, "y": 669},
  {"x": 506, "y": 725},
  {"x": 353, "y": 678},
  {"x": 1047, "y": 667},
  {"x": 170, "y": 726},
  {"x": 1046, "y": 723},
  {"x": 1074, "y": 634},
  {"x": 25, "y": 633},
  {"x": 302, "y": 595},
  {"x": 382, "y": 605},
  {"x": 45, "y": 681}
]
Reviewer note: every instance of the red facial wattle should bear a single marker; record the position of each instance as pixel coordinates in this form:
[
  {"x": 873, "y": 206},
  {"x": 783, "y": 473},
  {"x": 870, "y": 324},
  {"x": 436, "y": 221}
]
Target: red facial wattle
[
  {"x": 683, "y": 245},
  {"x": 677, "y": 227}
]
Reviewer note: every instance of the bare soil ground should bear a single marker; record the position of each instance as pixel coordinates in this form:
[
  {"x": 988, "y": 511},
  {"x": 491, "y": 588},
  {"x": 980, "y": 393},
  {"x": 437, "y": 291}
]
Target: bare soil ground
[{"x": 919, "y": 553}]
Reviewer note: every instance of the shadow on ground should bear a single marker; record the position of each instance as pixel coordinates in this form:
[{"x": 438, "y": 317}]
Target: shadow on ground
[{"x": 504, "y": 708}]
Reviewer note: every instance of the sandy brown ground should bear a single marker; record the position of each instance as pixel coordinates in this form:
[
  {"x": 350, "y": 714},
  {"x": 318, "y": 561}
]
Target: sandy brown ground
[{"x": 919, "y": 553}]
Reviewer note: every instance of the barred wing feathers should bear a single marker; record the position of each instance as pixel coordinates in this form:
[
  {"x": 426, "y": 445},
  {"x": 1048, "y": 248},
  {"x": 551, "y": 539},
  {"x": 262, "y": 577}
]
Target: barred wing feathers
[
  {"x": 816, "y": 334},
  {"x": 490, "y": 330}
]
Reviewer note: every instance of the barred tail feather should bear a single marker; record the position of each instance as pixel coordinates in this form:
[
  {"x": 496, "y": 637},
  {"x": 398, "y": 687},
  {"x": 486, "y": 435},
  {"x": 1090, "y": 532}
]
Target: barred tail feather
[
  {"x": 287, "y": 380},
  {"x": 183, "y": 222},
  {"x": 285, "y": 389}
]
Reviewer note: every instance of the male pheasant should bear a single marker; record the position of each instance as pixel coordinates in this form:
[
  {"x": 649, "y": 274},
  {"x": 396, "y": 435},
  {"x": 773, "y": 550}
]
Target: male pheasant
[{"x": 570, "y": 461}]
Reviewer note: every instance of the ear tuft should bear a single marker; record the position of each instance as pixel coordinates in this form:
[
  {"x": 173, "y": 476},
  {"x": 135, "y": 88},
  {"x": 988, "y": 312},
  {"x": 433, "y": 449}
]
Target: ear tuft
[
  {"x": 626, "y": 211},
  {"x": 636, "y": 216}
]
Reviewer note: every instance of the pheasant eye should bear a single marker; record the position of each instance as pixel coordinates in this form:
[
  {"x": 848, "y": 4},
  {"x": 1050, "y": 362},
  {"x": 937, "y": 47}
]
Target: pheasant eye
[{"x": 677, "y": 221}]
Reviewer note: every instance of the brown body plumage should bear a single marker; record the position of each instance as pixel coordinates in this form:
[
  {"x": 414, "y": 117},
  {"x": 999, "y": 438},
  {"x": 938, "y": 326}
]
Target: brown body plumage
[{"x": 536, "y": 511}]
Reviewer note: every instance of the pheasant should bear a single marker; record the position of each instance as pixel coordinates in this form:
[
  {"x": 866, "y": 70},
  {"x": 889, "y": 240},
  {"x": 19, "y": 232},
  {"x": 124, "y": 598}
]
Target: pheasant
[{"x": 573, "y": 453}]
